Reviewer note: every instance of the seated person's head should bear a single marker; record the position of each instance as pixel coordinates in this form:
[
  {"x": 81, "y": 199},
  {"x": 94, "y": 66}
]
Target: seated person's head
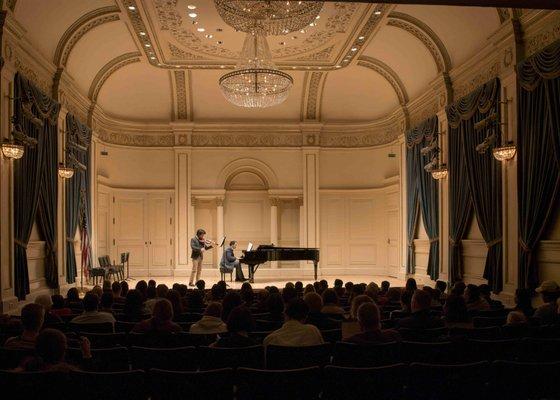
[
  {"x": 151, "y": 292},
  {"x": 97, "y": 290},
  {"x": 151, "y": 283},
  {"x": 368, "y": 316},
  {"x": 73, "y": 295},
  {"x": 231, "y": 300},
  {"x": 116, "y": 288},
  {"x": 472, "y": 293},
  {"x": 296, "y": 310},
  {"x": 357, "y": 302},
  {"x": 549, "y": 291},
  {"x": 411, "y": 284},
  {"x": 441, "y": 286},
  {"x": 289, "y": 293},
  {"x": 91, "y": 302},
  {"x": 51, "y": 346},
  {"x": 516, "y": 318},
  {"x": 314, "y": 302},
  {"x": 106, "y": 285},
  {"x": 455, "y": 308},
  {"x": 107, "y": 300},
  {"x": 406, "y": 300},
  {"x": 324, "y": 284},
  {"x": 309, "y": 288},
  {"x": 348, "y": 286},
  {"x": 142, "y": 286},
  {"x": 394, "y": 295},
  {"x": 338, "y": 283},
  {"x": 133, "y": 301},
  {"x": 385, "y": 285},
  {"x": 200, "y": 284},
  {"x": 32, "y": 317},
  {"x": 58, "y": 301},
  {"x": 289, "y": 285},
  {"x": 240, "y": 320},
  {"x": 247, "y": 293},
  {"x": 275, "y": 304},
  {"x": 421, "y": 301},
  {"x": 330, "y": 297},
  {"x": 45, "y": 301},
  {"x": 214, "y": 309},
  {"x": 485, "y": 290},
  {"x": 299, "y": 287},
  {"x": 124, "y": 288},
  {"x": 161, "y": 291},
  {"x": 459, "y": 288},
  {"x": 163, "y": 311}
]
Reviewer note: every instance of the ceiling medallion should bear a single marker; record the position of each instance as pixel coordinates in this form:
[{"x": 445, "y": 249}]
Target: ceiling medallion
[
  {"x": 256, "y": 82},
  {"x": 269, "y": 17}
]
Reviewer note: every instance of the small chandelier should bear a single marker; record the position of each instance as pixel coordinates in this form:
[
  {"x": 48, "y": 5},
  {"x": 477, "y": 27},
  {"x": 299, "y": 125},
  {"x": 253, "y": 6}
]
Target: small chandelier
[
  {"x": 440, "y": 172},
  {"x": 269, "y": 17},
  {"x": 12, "y": 150},
  {"x": 256, "y": 82},
  {"x": 505, "y": 153},
  {"x": 65, "y": 172}
]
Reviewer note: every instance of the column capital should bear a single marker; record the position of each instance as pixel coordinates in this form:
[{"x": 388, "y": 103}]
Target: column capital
[
  {"x": 193, "y": 201},
  {"x": 219, "y": 201},
  {"x": 274, "y": 201},
  {"x": 299, "y": 201}
]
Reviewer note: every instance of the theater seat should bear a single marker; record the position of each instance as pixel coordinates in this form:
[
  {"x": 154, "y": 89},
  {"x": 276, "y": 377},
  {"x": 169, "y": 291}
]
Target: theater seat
[
  {"x": 109, "y": 385},
  {"x": 424, "y": 335},
  {"x": 104, "y": 327},
  {"x": 357, "y": 355},
  {"x": 523, "y": 380},
  {"x": 106, "y": 340},
  {"x": 34, "y": 385},
  {"x": 112, "y": 359},
  {"x": 442, "y": 353},
  {"x": 177, "y": 359},
  {"x": 205, "y": 385},
  {"x": 294, "y": 384},
  {"x": 386, "y": 382},
  {"x": 537, "y": 349},
  {"x": 284, "y": 357},
  {"x": 217, "y": 357},
  {"x": 11, "y": 358}
]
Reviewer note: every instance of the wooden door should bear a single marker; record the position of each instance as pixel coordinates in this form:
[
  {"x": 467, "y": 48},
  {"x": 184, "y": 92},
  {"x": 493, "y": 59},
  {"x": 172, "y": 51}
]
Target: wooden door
[
  {"x": 131, "y": 231},
  {"x": 160, "y": 227},
  {"x": 393, "y": 242}
]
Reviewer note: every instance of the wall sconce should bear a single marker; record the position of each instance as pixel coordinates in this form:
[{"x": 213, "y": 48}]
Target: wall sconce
[
  {"x": 12, "y": 150},
  {"x": 65, "y": 172},
  {"x": 440, "y": 172},
  {"x": 505, "y": 152}
]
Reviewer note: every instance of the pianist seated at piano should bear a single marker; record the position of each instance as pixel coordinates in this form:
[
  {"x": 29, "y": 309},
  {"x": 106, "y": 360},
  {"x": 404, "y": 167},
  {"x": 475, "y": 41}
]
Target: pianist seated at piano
[{"x": 229, "y": 261}]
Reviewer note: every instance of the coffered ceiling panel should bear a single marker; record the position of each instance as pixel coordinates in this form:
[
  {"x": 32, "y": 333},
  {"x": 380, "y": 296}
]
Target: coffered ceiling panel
[
  {"x": 47, "y": 20},
  {"x": 357, "y": 94},
  {"x": 406, "y": 56},
  {"x": 463, "y": 30},
  {"x": 137, "y": 92},
  {"x": 97, "y": 48},
  {"x": 210, "y": 104}
]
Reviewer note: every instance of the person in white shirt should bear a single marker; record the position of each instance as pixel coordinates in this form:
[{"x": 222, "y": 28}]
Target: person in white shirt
[
  {"x": 211, "y": 322},
  {"x": 90, "y": 314},
  {"x": 295, "y": 332}
]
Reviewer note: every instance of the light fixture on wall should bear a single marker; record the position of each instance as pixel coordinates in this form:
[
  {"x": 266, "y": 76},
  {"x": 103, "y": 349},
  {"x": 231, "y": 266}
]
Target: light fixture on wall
[
  {"x": 440, "y": 172},
  {"x": 64, "y": 171},
  {"x": 505, "y": 152},
  {"x": 12, "y": 150}
]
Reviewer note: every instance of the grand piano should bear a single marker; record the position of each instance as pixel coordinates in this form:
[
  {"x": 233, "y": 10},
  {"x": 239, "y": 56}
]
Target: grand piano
[{"x": 264, "y": 253}]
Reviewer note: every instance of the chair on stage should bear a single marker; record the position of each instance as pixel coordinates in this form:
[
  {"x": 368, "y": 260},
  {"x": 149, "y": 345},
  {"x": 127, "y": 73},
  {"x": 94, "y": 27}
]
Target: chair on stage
[{"x": 224, "y": 271}]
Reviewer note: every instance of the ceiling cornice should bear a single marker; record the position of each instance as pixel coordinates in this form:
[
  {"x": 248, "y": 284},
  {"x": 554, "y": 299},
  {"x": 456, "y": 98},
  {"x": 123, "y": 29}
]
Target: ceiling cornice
[
  {"x": 312, "y": 97},
  {"x": 108, "y": 69},
  {"x": 386, "y": 72},
  {"x": 426, "y": 35},
  {"x": 79, "y": 28}
]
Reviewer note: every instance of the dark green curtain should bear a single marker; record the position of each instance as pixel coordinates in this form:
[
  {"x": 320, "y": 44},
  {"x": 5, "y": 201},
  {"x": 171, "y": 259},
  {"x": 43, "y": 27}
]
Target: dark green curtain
[
  {"x": 483, "y": 172},
  {"x": 423, "y": 191},
  {"x": 460, "y": 203},
  {"x": 538, "y": 170},
  {"x": 36, "y": 115},
  {"x": 78, "y": 207}
]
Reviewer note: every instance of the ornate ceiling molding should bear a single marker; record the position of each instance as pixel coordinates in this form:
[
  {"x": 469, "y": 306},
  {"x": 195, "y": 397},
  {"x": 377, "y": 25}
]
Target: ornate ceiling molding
[
  {"x": 183, "y": 95},
  {"x": 386, "y": 72},
  {"x": 504, "y": 14},
  {"x": 11, "y": 5},
  {"x": 426, "y": 35},
  {"x": 108, "y": 69},
  {"x": 79, "y": 28},
  {"x": 312, "y": 98}
]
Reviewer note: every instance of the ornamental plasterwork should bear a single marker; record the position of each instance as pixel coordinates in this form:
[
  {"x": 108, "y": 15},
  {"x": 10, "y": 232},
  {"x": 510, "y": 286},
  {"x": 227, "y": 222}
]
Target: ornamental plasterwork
[
  {"x": 182, "y": 54},
  {"x": 134, "y": 139},
  {"x": 246, "y": 140},
  {"x": 33, "y": 76},
  {"x": 462, "y": 88},
  {"x": 108, "y": 69},
  {"x": 542, "y": 39},
  {"x": 374, "y": 138},
  {"x": 386, "y": 72},
  {"x": 314, "y": 89},
  {"x": 322, "y": 55},
  {"x": 182, "y": 95},
  {"x": 428, "y": 110}
]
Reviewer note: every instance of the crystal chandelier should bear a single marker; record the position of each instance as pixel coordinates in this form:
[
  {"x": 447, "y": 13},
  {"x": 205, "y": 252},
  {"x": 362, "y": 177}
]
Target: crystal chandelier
[
  {"x": 256, "y": 82},
  {"x": 268, "y": 17},
  {"x": 12, "y": 150},
  {"x": 440, "y": 172},
  {"x": 505, "y": 153},
  {"x": 65, "y": 172}
]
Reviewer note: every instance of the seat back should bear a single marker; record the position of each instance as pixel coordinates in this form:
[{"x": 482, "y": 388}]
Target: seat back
[
  {"x": 355, "y": 355},
  {"x": 489, "y": 333},
  {"x": 483, "y": 322},
  {"x": 103, "y": 261},
  {"x": 177, "y": 359},
  {"x": 284, "y": 357},
  {"x": 443, "y": 352},
  {"x": 424, "y": 335},
  {"x": 539, "y": 350},
  {"x": 204, "y": 385},
  {"x": 504, "y": 349},
  {"x": 110, "y": 385},
  {"x": 113, "y": 359},
  {"x": 331, "y": 335},
  {"x": 103, "y": 327},
  {"x": 525, "y": 380},
  {"x": 105, "y": 340},
  {"x": 34, "y": 385},
  {"x": 386, "y": 383},
  {"x": 216, "y": 357},
  {"x": 11, "y": 358},
  {"x": 294, "y": 384}
]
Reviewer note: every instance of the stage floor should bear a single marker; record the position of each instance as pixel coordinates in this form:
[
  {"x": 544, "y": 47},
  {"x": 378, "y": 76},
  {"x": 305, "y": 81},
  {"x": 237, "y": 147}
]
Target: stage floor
[{"x": 262, "y": 283}]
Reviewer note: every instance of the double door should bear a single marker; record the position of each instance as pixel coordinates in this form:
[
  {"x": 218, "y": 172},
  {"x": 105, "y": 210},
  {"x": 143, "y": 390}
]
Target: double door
[{"x": 143, "y": 226}]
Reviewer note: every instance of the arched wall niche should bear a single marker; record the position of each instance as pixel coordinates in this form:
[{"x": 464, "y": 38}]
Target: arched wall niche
[{"x": 247, "y": 171}]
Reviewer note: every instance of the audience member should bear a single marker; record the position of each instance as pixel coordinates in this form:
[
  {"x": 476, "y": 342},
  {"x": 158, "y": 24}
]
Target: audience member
[
  {"x": 315, "y": 316},
  {"x": 142, "y": 288},
  {"x": 406, "y": 299},
  {"x": 152, "y": 283},
  {"x": 195, "y": 300},
  {"x": 97, "y": 291},
  {"x": 474, "y": 301},
  {"x": 231, "y": 300},
  {"x": 239, "y": 324},
  {"x": 247, "y": 294},
  {"x": 116, "y": 288},
  {"x": 175, "y": 298},
  {"x": 309, "y": 288},
  {"x": 91, "y": 315},
  {"x": 106, "y": 286},
  {"x": 211, "y": 322},
  {"x": 394, "y": 296},
  {"x": 370, "y": 326},
  {"x": 516, "y": 318},
  {"x": 289, "y": 293},
  {"x": 106, "y": 302},
  {"x": 442, "y": 287},
  {"x": 348, "y": 286},
  {"x": 523, "y": 301},
  {"x": 73, "y": 299},
  {"x": 46, "y": 301},
  {"x": 299, "y": 288},
  {"x": 32, "y": 317},
  {"x": 59, "y": 306},
  {"x": 420, "y": 317},
  {"x": 275, "y": 307},
  {"x": 339, "y": 288},
  {"x": 200, "y": 284},
  {"x": 486, "y": 294},
  {"x": 330, "y": 303},
  {"x": 124, "y": 289},
  {"x": 455, "y": 311},
  {"x": 547, "y": 313},
  {"x": 459, "y": 288},
  {"x": 160, "y": 293},
  {"x": 161, "y": 321},
  {"x": 411, "y": 285},
  {"x": 295, "y": 332},
  {"x": 356, "y": 303},
  {"x": 134, "y": 309},
  {"x": 385, "y": 285}
]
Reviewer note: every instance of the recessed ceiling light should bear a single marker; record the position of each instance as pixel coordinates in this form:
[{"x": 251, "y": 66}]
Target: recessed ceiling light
[
  {"x": 377, "y": 12},
  {"x": 338, "y": 66},
  {"x": 219, "y": 42},
  {"x": 193, "y": 15},
  {"x": 282, "y": 43},
  {"x": 143, "y": 33},
  {"x": 294, "y": 37},
  {"x": 354, "y": 48},
  {"x": 312, "y": 24},
  {"x": 132, "y": 8},
  {"x": 191, "y": 7},
  {"x": 152, "y": 58},
  {"x": 148, "y": 45},
  {"x": 317, "y": 17},
  {"x": 200, "y": 29},
  {"x": 222, "y": 66},
  {"x": 209, "y": 36},
  {"x": 302, "y": 31},
  {"x": 362, "y": 37}
]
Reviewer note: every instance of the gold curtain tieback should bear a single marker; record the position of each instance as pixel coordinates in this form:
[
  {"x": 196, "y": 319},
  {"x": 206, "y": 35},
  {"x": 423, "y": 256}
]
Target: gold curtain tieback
[
  {"x": 524, "y": 246},
  {"x": 20, "y": 243},
  {"x": 71, "y": 240},
  {"x": 436, "y": 239},
  {"x": 494, "y": 242}
]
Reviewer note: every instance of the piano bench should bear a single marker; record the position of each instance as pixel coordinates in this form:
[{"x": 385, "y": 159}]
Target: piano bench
[{"x": 223, "y": 272}]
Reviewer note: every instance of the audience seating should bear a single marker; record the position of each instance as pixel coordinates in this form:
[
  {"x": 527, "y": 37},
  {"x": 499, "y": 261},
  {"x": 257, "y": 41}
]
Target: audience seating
[
  {"x": 503, "y": 349},
  {"x": 385, "y": 383},
  {"x": 332, "y": 335},
  {"x": 484, "y": 322},
  {"x": 357, "y": 355},
  {"x": 103, "y": 360},
  {"x": 35, "y": 385},
  {"x": 539, "y": 350},
  {"x": 216, "y": 357},
  {"x": 11, "y": 358},
  {"x": 491, "y": 332},
  {"x": 293, "y": 384},
  {"x": 442, "y": 352},
  {"x": 104, "y": 327},
  {"x": 178, "y": 359},
  {"x": 424, "y": 335},
  {"x": 106, "y": 340},
  {"x": 285, "y": 357},
  {"x": 109, "y": 385},
  {"x": 522, "y": 380},
  {"x": 438, "y": 381},
  {"x": 206, "y": 385}
]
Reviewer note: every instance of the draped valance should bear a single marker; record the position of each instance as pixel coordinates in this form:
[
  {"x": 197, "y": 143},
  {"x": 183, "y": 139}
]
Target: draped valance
[
  {"x": 482, "y": 99},
  {"x": 76, "y": 129},
  {"x": 36, "y": 105},
  {"x": 425, "y": 131},
  {"x": 543, "y": 65}
]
